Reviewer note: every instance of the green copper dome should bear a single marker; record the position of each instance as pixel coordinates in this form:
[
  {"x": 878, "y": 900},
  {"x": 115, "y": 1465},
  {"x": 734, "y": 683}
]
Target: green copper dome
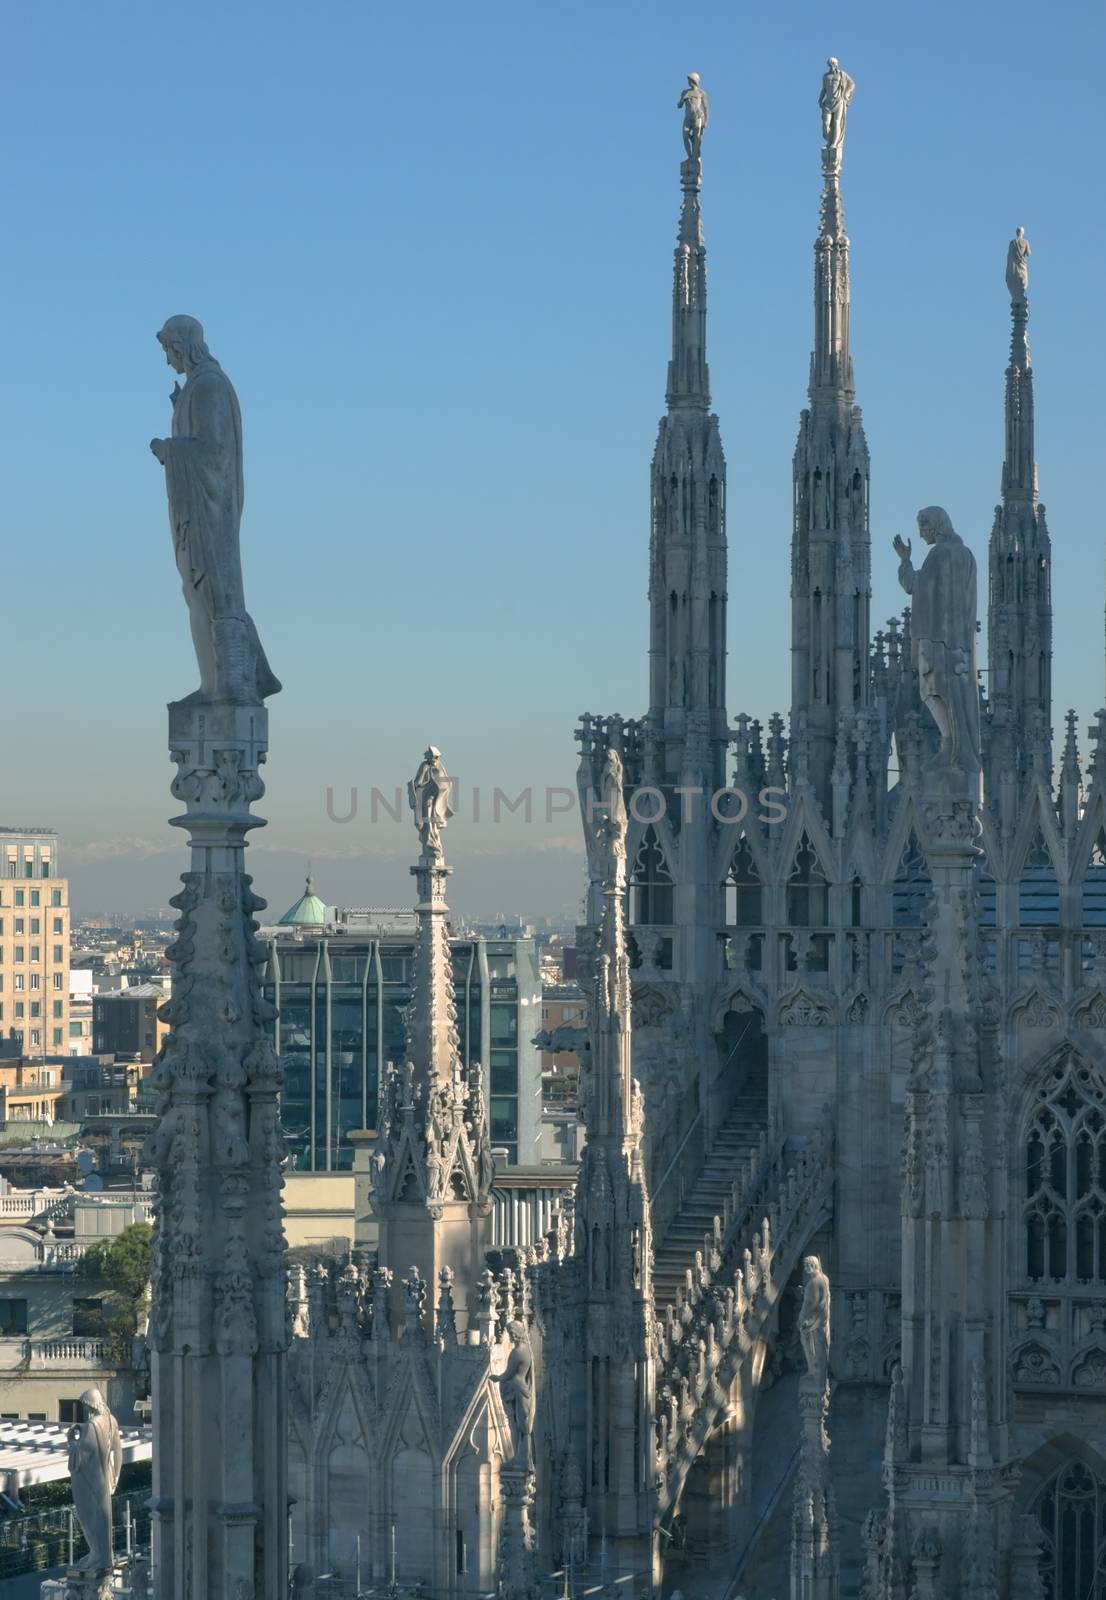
[{"x": 308, "y": 911}]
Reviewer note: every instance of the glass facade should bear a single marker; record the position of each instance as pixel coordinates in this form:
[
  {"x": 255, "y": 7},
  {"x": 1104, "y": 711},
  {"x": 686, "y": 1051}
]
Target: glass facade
[{"x": 342, "y": 1004}]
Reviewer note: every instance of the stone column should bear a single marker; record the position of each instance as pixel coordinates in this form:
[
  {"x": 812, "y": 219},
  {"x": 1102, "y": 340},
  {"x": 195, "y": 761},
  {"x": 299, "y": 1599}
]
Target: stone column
[
  {"x": 218, "y": 1326},
  {"x": 518, "y": 1577}
]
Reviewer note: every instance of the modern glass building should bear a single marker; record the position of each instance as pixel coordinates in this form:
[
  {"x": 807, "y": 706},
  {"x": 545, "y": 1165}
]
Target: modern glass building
[{"x": 341, "y": 984}]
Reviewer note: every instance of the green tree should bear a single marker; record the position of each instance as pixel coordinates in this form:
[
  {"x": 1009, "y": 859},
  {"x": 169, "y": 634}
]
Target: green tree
[{"x": 122, "y": 1265}]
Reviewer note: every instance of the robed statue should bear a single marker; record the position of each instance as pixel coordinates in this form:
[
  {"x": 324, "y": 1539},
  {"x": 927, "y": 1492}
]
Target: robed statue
[
  {"x": 428, "y": 796},
  {"x": 696, "y": 109},
  {"x": 814, "y": 1319},
  {"x": 95, "y": 1462},
  {"x": 837, "y": 92},
  {"x": 203, "y": 477},
  {"x": 1017, "y": 268},
  {"x": 942, "y": 631}
]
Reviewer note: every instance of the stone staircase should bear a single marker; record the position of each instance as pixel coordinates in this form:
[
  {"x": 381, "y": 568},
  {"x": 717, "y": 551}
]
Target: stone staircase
[
  {"x": 711, "y": 1329},
  {"x": 730, "y": 1160}
]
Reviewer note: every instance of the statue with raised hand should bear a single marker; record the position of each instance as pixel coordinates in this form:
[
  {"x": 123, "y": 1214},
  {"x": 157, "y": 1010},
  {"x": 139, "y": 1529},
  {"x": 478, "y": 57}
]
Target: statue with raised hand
[
  {"x": 696, "y": 109},
  {"x": 942, "y": 632}
]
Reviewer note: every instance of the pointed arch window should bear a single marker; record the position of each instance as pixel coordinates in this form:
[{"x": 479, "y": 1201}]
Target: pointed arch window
[
  {"x": 651, "y": 884},
  {"x": 1071, "y": 1509},
  {"x": 1038, "y": 891},
  {"x": 744, "y": 890},
  {"x": 911, "y": 887},
  {"x": 807, "y": 889},
  {"x": 1064, "y": 1154},
  {"x": 856, "y": 900}
]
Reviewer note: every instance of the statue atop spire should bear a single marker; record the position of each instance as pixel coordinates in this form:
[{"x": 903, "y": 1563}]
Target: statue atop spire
[
  {"x": 428, "y": 797},
  {"x": 696, "y": 109},
  {"x": 834, "y": 101},
  {"x": 1017, "y": 268}
]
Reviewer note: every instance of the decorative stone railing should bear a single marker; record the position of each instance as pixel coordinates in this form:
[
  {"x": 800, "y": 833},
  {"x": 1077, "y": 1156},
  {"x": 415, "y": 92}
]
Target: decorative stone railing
[
  {"x": 1058, "y": 1339},
  {"x": 356, "y": 1302},
  {"x": 58, "y": 1352},
  {"x": 696, "y": 1372},
  {"x": 758, "y": 1180},
  {"x": 21, "y": 1205}
]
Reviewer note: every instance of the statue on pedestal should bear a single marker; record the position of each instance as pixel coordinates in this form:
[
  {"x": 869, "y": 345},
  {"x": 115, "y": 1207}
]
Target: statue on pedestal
[
  {"x": 95, "y": 1462},
  {"x": 1017, "y": 268},
  {"x": 428, "y": 796},
  {"x": 696, "y": 109},
  {"x": 814, "y": 1320},
  {"x": 837, "y": 92},
  {"x": 942, "y": 635},
  {"x": 203, "y": 477},
  {"x": 516, "y": 1384}
]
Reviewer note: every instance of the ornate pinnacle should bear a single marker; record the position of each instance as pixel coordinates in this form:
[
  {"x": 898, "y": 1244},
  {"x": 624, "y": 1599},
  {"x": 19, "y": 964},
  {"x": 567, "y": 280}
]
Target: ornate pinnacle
[{"x": 688, "y": 375}]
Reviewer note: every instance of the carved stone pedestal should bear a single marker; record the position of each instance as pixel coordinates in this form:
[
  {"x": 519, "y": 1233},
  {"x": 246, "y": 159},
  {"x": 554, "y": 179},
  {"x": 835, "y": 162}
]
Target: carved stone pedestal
[
  {"x": 217, "y": 1329},
  {"x": 518, "y": 1577},
  {"x": 84, "y": 1585},
  {"x": 814, "y": 1552}
]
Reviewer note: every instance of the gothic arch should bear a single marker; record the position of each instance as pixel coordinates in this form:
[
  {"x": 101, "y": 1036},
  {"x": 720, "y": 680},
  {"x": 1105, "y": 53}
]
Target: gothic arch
[
  {"x": 1060, "y": 1168},
  {"x": 651, "y": 885},
  {"x": 1063, "y": 1486},
  {"x": 742, "y": 997},
  {"x": 744, "y": 886},
  {"x": 801, "y": 1009},
  {"x": 807, "y": 887}
]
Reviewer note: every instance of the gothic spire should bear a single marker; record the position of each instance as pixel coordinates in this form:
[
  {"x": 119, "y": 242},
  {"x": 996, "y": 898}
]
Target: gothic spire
[
  {"x": 432, "y": 1037},
  {"x": 831, "y": 547},
  {"x": 688, "y": 375},
  {"x": 1019, "y": 470},
  {"x": 1019, "y": 613},
  {"x": 432, "y": 1167},
  {"x": 687, "y": 558},
  {"x": 831, "y": 367}
]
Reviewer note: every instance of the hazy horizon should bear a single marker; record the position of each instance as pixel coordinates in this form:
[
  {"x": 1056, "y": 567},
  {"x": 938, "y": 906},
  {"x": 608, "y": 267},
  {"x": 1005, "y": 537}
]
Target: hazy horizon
[{"x": 443, "y": 296}]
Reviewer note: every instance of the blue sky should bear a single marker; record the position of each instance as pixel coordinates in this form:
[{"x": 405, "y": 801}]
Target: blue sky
[{"x": 432, "y": 248}]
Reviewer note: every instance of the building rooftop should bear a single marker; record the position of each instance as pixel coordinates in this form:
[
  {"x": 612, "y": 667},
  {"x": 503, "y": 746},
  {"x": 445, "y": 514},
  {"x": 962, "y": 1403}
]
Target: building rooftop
[{"x": 38, "y": 1452}]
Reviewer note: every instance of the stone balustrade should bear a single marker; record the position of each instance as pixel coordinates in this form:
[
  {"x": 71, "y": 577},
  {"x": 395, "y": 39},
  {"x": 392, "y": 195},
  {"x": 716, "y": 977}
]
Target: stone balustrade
[
  {"x": 697, "y": 1369},
  {"x": 33, "y": 1353}
]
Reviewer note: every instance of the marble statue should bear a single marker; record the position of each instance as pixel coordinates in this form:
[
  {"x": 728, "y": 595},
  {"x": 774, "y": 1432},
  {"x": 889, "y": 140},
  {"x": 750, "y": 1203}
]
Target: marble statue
[
  {"x": 942, "y": 631},
  {"x": 1017, "y": 267},
  {"x": 95, "y": 1462},
  {"x": 814, "y": 1319},
  {"x": 696, "y": 109},
  {"x": 516, "y": 1384},
  {"x": 614, "y": 802},
  {"x": 428, "y": 796},
  {"x": 837, "y": 92},
  {"x": 203, "y": 477}
]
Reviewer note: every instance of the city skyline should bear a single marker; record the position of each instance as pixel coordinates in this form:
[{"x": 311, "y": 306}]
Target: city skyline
[{"x": 351, "y": 303}]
